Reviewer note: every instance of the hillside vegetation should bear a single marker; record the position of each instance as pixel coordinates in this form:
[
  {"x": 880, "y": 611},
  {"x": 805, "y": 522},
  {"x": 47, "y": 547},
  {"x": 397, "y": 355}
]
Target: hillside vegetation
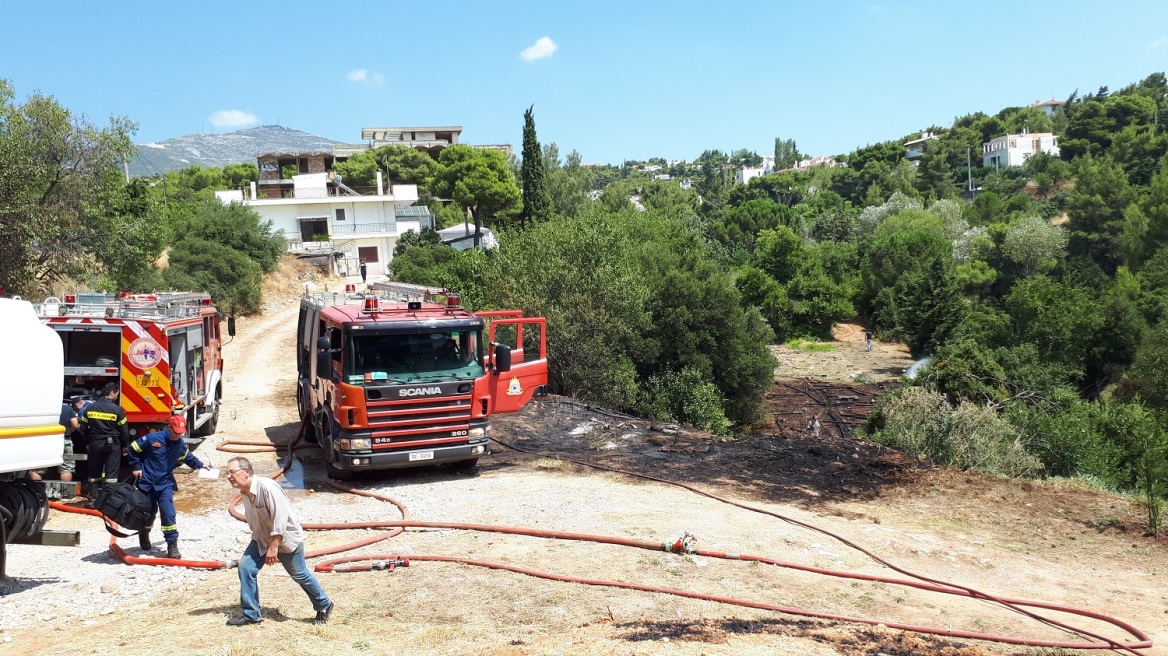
[{"x": 1041, "y": 296}]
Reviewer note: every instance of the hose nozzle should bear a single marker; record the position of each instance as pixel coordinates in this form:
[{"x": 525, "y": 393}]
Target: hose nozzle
[{"x": 685, "y": 544}]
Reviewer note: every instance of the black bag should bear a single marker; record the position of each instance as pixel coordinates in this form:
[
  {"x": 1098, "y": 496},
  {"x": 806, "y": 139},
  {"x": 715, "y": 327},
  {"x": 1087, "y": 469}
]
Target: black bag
[{"x": 126, "y": 506}]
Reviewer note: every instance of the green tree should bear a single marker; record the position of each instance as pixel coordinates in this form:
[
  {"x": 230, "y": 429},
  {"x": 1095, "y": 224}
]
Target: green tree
[
  {"x": 479, "y": 180},
  {"x": 537, "y": 202},
  {"x": 412, "y": 238},
  {"x": 58, "y": 173},
  {"x": 231, "y": 277},
  {"x": 1147, "y": 378},
  {"x": 786, "y": 153},
  {"x": 239, "y": 228},
  {"x": 1033, "y": 245}
]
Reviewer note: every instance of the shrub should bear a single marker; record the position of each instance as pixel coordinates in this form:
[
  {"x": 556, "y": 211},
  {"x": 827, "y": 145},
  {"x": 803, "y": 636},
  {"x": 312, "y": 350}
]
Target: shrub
[{"x": 922, "y": 422}]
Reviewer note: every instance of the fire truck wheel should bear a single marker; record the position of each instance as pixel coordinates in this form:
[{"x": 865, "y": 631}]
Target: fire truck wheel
[
  {"x": 310, "y": 432},
  {"x": 338, "y": 474}
]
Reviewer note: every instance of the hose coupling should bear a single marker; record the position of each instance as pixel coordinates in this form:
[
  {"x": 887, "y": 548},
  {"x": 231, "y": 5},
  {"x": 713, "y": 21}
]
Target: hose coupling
[
  {"x": 391, "y": 564},
  {"x": 685, "y": 544},
  {"x": 228, "y": 564}
]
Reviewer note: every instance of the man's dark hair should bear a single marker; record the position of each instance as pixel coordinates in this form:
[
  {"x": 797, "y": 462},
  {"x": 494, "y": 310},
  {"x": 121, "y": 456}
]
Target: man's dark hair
[{"x": 110, "y": 388}]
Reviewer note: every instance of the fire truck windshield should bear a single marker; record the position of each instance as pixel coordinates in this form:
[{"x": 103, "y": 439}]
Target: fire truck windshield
[{"x": 405, "y": 357}]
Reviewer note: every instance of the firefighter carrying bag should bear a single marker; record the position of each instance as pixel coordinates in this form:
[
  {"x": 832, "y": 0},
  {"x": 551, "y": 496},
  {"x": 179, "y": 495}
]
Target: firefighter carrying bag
[{"x": 124, "y": 505}]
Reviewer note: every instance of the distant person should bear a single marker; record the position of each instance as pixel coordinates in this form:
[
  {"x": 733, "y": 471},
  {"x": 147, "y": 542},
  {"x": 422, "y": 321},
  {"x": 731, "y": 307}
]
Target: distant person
[
  {"x": 276, "y": 536},
  {"x": 106, "y": 435},
  {"x": 868, "y": 337},
  {"x": 364, "y": 270},
  {"x": 154, "y": 457}
]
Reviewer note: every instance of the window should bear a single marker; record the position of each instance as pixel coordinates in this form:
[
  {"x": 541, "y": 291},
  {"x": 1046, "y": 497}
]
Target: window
[
  {"x": 340, "y": 214},
  {"x": 314, "y": 228}
]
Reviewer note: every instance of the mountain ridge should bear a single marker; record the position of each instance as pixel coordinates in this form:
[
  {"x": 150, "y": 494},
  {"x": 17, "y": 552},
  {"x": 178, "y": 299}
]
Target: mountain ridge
[{"x": 220, "y": 149}]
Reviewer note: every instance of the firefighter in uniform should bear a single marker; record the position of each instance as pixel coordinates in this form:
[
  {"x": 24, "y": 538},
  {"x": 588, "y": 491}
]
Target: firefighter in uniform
[
  {"x": 153, "y": 458},
  {"x": 104, "y": 424}
]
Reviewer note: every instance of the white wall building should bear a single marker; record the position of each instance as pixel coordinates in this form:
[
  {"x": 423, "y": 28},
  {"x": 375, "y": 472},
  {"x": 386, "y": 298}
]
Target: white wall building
[
  {"x": 915, "y": 149},
  {"x": 747, "y": 173},
  {"x": 324, "y": 218},
  {"x": 1015, "y": 149}
]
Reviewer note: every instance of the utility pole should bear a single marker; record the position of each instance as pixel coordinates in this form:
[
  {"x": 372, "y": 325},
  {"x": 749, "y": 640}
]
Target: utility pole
[
  {"x": 126, "y": 168},
  {"x": 969, "y": 167}
]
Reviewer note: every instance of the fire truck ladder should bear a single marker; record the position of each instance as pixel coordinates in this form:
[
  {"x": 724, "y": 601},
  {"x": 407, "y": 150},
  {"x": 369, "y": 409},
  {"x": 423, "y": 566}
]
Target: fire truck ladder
[{"x": 166, "y": 306}]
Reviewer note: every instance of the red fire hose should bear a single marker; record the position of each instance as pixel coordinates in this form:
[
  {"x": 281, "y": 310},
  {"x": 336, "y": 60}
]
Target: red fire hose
[{"x": 372, "y": 562}]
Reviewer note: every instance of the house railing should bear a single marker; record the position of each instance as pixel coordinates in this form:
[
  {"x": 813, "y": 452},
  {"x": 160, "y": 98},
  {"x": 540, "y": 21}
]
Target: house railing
[{"x": 361, "y": 228}]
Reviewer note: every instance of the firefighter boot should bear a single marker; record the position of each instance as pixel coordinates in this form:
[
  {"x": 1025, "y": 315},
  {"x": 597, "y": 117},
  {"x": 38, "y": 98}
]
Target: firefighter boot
[
  {"x": 144, "y": 540},
  {"x": 172, "y": 551}
]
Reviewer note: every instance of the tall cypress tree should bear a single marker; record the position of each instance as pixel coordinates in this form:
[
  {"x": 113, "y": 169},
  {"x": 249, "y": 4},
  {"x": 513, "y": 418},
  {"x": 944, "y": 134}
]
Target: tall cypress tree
[{"x": 537, "y": 202}]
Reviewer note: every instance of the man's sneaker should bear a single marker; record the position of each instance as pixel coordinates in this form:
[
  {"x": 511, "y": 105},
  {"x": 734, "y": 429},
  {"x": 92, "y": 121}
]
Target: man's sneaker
[
  {"x": 323, "y": 615},
  {"x": 243, "y": 621},
  {"x": 144, "y": 540},
  {"x": 172, "y": 551}
]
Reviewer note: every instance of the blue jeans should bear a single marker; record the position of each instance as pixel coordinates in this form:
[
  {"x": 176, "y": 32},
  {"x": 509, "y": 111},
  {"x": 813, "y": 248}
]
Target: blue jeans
[{"x": 252, "y": 562}]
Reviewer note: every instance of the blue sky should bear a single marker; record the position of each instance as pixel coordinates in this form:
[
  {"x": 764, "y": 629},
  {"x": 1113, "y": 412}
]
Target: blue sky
[{"x": 613, "y": 80}]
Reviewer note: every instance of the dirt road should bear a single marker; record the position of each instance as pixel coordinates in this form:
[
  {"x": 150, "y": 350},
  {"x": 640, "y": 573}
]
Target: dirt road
[{"x": 1048, "y": 541}]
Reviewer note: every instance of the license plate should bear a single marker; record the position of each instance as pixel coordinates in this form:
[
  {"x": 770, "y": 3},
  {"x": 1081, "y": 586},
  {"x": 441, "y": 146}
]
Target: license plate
[{"x": 421, "y": 455}]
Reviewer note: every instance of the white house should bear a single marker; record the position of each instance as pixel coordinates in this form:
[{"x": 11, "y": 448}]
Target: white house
[
  {"x": 320, "y": 214},
  {"x": 747, "y": 173},
  {"x": 461, "y": 237},
  {"x": 1015, "y": 149},
  {"x": 915, "y": 149},
  {"x": 1049, "y": 106}
]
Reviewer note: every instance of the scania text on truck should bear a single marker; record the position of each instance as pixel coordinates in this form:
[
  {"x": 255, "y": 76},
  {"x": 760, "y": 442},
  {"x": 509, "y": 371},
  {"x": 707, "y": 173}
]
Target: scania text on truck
[
  {"x": 165, "y": 350},
  {"x": 31, "y": 436},
  {"x": 406, "y": 379}
]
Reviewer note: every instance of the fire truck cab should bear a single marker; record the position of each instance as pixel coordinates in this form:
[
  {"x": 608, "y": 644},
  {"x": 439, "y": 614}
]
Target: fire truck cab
[
  {"x": 164, "y": 349},
  {"x": 405, "y": 378}
]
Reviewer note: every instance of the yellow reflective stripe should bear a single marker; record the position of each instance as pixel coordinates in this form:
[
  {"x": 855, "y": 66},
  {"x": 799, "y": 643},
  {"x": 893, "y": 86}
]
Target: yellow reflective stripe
[
  {"x": 172, "y": 527},
  {"x": 185, "y": 454},
  {"x": 32, "y": 431},
  {"x": 134, "y": 446},
  {"x": 122, "y": 421},
  {"x": 105, "y": 416}
]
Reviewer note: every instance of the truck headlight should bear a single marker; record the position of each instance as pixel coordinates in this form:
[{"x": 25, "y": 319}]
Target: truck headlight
[
  {"x": 356, "y": 444},
  {"x": 476, "y": 432}
]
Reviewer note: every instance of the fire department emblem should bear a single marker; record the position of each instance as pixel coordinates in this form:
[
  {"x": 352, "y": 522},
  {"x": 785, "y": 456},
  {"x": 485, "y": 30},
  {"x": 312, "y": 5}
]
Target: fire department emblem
[
  {"x": 514, "y": 389},
  {"x": 145, "y": 353}
]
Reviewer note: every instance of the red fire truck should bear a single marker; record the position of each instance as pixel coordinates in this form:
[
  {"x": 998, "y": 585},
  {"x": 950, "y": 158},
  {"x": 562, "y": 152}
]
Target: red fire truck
[
  {"x": 401, "y": 377},
  {"x": 164, "y": 349}
]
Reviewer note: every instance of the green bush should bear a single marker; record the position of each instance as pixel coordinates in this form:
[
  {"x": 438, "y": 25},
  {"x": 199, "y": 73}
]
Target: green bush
[
  {"x": 686, "y": 398},
  {"x": 922, "y": 422}
]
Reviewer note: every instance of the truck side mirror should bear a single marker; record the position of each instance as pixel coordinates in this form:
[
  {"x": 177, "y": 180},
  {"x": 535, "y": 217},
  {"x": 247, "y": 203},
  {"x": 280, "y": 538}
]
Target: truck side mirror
[
  {"x": 231, "y": 326},
  {"x": 324, "y": 357},
  {"x": 502, "y": 358}
]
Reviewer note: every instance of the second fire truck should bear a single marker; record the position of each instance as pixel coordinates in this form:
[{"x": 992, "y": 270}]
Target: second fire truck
[
  {"x": 410, "y": 378},
  {"x": 164, "y": 349}
]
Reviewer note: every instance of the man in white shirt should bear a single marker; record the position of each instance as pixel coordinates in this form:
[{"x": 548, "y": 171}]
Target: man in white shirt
[{"x": 276, "y": 536}]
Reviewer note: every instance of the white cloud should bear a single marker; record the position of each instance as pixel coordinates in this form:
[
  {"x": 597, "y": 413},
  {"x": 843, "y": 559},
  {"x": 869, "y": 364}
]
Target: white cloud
[
  {"x": 1162, "y": 41},
  {"x": 232, "y": 118},
  {"x": 544, "y": 47},
  {"x": 360, "y": 75}
]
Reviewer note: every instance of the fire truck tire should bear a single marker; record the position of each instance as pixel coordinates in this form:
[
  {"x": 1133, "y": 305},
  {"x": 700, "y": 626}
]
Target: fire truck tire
[
  {"x": 337, "y": 474},
  {"x": 310, "y": 432}
]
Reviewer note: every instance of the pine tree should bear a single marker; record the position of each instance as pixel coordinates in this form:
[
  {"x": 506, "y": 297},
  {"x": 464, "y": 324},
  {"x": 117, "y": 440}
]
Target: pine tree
[{"x": 537, "y": 202}]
